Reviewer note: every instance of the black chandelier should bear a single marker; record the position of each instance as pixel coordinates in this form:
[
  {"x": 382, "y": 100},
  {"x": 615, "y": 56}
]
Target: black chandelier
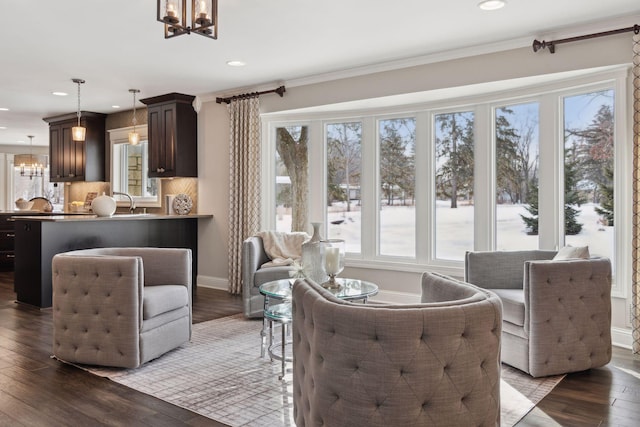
[{"x": 204, "y": 18}]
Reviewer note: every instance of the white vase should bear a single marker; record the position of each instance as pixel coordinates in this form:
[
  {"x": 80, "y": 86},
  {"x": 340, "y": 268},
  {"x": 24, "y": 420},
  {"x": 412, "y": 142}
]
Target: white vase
[
  {"x": 103, "y": 205},
  {"x": 312, "y": 257}
]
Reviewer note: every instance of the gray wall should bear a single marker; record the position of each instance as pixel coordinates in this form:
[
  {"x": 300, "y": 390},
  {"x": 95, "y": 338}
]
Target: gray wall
[{"x": 510, "y": 64}]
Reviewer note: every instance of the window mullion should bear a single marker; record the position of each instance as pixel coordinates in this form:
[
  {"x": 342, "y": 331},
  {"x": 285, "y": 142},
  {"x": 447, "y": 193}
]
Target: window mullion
[
  {"x": 423, "y": 187},
  {"x": 484, "y": 165},
  {"x": 368, "y": 191},
  {"x": 317, "y": 177},
  {"x": 550, "y": 182}
]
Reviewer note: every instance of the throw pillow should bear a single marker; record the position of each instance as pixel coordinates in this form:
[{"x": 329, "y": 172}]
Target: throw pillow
[{"x": 572, "y": 252}]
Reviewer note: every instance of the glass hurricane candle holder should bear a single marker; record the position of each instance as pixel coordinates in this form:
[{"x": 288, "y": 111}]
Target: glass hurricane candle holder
[{"x": 333, "y": 251}]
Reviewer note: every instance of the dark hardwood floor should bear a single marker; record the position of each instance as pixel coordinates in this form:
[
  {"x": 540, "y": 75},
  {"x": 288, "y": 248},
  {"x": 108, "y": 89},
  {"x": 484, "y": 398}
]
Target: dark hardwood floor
[{"x": 36, "y": 390}]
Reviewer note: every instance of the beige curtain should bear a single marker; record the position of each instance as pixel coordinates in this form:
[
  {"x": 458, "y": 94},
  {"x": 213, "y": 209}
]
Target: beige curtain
[
  {"x": 244, "y": 182},
  {"x": 636, "y": 195}
]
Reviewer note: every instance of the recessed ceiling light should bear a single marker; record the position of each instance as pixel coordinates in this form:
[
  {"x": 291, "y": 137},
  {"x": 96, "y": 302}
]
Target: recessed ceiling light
[
  {"x": 236, "y": 63},
  {"x": 4, "y": 109},
  {"x": 115, "y": 106},
  {"x": 492, "y": 4},
  {"x": 3, "y": 127},
  {"x": 59, "y": 93}
]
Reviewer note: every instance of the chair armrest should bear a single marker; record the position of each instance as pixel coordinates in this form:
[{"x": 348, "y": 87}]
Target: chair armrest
[
  {"x": 253, "y": 256},
  {"x": 162, "y": 266},
  {"x": 499, "y": 269},
  {"x": 92, "y": 296},
  {"x": 561, "y": 295}
]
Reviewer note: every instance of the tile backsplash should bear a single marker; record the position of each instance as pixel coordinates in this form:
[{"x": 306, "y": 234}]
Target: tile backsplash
[{"x": 189, "y": 186}]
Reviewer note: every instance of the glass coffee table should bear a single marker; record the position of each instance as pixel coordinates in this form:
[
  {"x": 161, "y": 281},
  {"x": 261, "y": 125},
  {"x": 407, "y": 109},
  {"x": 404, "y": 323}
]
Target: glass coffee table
[{"x": 277, "y": 308}]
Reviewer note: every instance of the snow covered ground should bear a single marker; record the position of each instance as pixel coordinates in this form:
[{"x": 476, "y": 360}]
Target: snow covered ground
[{"x": 454, "y": 230}]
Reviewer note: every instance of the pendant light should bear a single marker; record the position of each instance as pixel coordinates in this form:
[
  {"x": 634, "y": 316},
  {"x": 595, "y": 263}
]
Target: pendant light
[
  {"x": 134, "y": 137},
  {"x": 29, "y": 165},
  {"x": 78, "y": 132},
  {"x": 204, "y": 17}
]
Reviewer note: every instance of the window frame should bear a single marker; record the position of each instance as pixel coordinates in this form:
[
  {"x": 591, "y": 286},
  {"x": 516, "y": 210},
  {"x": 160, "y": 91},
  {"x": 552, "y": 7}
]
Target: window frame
[
  {"x": 548, "y": 95},
  {"x": 121, "y": 136}
]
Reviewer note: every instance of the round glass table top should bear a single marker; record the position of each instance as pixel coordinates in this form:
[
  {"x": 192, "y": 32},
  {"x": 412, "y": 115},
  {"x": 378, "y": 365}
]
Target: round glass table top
[{"x": 350, "y": 289}]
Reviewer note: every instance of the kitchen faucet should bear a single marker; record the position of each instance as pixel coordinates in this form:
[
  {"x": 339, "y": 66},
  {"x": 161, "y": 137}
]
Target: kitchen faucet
[{"x": 132, "y": 204}]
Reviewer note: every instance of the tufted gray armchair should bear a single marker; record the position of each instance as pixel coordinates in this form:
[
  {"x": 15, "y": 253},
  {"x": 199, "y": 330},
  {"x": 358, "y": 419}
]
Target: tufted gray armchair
[
  {"x": 253, "y": 256},
  {"x": 430, "y": 364},
  {"x": 120, "y": 306},
  {"x": 557, "y": 314}
]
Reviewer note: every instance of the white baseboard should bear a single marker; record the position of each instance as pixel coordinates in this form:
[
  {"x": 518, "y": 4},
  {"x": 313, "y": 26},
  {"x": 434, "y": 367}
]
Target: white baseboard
[
  {"x": 621, "y": 337},
  {"x": 213, "y": 282}
]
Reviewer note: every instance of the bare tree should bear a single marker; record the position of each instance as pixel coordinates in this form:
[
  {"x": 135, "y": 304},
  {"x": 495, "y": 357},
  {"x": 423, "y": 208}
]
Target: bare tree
[
  {"x": 527, "y": 160},
  {"x": 292, "y": 147},
  {"x": 344, "y": 158}
]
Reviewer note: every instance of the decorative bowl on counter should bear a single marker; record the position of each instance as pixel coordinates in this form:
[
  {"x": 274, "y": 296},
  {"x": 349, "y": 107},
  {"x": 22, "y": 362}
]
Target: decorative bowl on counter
[
  {"x": 24, "y": 205},
  {"x": 103, "y": 205}
]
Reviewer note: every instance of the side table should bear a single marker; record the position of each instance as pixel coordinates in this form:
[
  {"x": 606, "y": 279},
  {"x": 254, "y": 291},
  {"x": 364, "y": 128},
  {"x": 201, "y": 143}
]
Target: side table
[{"x": 277, "y": 308}]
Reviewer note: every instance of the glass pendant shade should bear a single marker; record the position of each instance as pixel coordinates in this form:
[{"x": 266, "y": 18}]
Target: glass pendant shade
[
  {"x": 171, "y": 11},
  {"x": 134, "y": 138},
  {"x": 78, "y": 133},
  {"x": 202, "y": 12}
]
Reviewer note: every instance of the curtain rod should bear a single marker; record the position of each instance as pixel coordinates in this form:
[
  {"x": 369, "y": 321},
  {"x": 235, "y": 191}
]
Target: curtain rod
[
  {"x": 537, "y": 45},
  {"x": 280, "y": 91}
]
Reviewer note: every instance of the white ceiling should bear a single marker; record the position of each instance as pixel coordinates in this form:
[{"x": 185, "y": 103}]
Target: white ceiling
[{"x": 116, "y": 45}]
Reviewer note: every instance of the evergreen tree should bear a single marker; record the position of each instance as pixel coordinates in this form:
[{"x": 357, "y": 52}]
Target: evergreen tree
[
  {"x": 532, "y": 221},
  {"x": 454, "y": 177},
  {"x": 572, "y": 196},
  {"x": 606, "y": 197},
  {"x": 507, "y": 173},
  {"x": 395, "y": 137}
]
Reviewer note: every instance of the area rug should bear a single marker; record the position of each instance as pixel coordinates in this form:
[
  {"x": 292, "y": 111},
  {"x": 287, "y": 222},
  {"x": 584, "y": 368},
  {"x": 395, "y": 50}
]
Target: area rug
[{"x": 221, "y": 375}]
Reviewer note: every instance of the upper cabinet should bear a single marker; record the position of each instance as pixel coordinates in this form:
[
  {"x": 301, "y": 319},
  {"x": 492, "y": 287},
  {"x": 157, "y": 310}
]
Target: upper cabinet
[
  {"x": 76, "y": 161},
  {"x": 173, "y": 136}
]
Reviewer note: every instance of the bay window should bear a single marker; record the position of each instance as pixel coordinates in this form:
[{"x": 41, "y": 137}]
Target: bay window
[{"x": 412, "y": 187}]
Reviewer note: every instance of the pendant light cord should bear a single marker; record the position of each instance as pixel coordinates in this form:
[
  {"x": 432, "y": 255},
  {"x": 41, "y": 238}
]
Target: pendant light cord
[
  {"x": 78, "y": 102},
  {"x": 134, "y": 121},
  {"x": 78, "y": 82}
]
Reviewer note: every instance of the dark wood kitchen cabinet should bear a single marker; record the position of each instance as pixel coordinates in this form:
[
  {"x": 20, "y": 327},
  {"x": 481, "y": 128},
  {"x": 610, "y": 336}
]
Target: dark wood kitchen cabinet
[
  {"x": 173, "y": 136},
  {"x": 7, "y": 238},
  {"x": 76, "y": 161}
]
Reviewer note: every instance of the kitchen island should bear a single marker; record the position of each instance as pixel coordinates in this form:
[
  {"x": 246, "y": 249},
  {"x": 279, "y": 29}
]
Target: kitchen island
[{"x": 39, "y": 238}]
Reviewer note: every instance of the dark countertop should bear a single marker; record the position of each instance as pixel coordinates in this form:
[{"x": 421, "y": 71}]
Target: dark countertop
[
  {"x": 64, "y": 217},
  {"x": 21, "y": 213}
]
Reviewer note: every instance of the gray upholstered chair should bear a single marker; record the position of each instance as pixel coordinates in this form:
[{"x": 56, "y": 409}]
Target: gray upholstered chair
[
  {"x": 253, "y": 256},
  {"x": 120, "y": 306},
  {"x": 557, "y": 314},
  {"x": 430, "y": 364}
]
